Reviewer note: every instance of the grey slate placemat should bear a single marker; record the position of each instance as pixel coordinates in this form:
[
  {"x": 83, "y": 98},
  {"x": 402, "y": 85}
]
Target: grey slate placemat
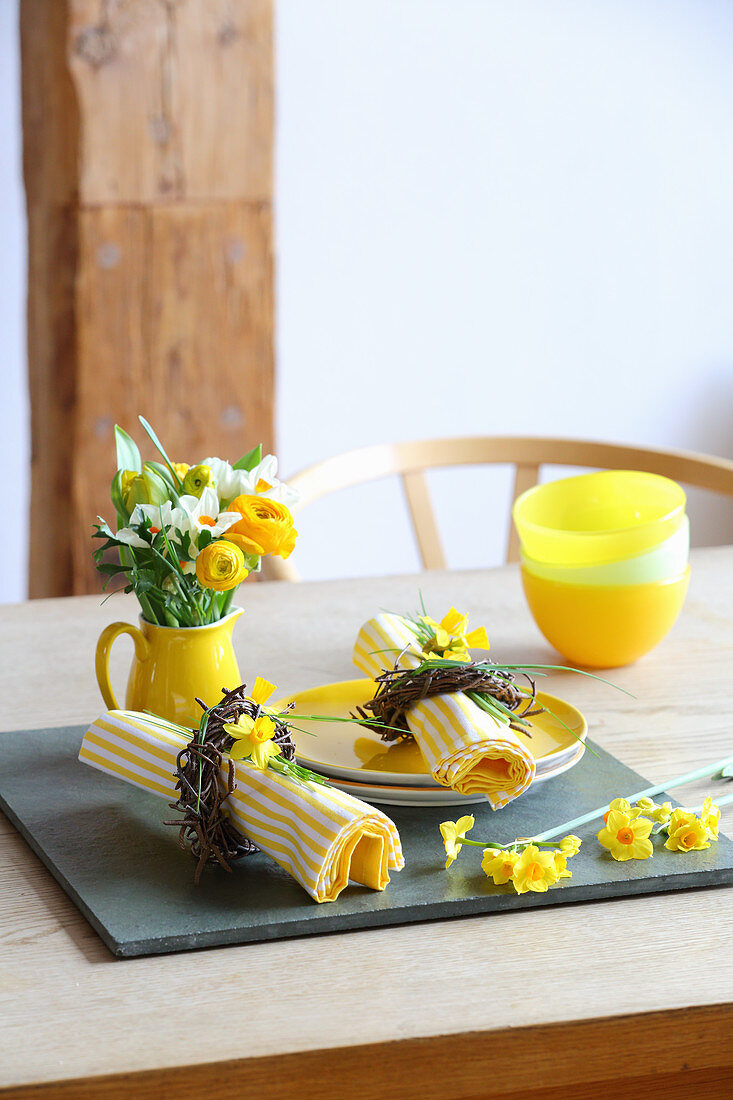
[{"x": 106, "y": 844}]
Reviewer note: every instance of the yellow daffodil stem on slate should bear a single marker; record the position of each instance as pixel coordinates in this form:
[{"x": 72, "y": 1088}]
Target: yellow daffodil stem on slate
[{"x": 720, "y": 766}]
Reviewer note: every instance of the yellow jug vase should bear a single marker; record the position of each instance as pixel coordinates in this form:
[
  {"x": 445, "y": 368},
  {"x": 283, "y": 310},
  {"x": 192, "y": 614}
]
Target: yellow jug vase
[{"x": 172, "y": 666}]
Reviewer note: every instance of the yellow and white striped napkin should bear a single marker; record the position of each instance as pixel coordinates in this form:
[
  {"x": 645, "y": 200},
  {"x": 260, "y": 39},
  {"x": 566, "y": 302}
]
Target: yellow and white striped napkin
[
  {"x": 322, "y": 836},
  {"x": 464, "y": 747}
]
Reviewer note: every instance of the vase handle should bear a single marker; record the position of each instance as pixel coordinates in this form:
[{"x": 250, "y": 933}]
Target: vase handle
[{"x": 101, "y": 663}]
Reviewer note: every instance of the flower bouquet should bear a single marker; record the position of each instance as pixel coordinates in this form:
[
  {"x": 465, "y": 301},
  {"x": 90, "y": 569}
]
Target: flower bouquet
[
  {"x": 189, "y": 535},
  {"x": 186, "y": 537}
]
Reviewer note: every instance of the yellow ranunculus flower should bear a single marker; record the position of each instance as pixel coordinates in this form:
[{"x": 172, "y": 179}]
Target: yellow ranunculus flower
[
  {"x": 253, "y": 736},
  {"x": 181, "y": 469},
  {"x": 247, "y": 546},
  {"x": 626, "y": 836},
  {"x": 534, "y": 870},
  {"x": 450, "y": 638},
  {"x": 453, "y": 832},
  {"x": 196, "y": 479},
  {"x": 265, "y": 523},
  {"x": 688, "y": 835},
  {"x": 220, "y": 566},
  {"x": 570, "y": 845},
  {"x": 498, "y": 865},
  {"x": 710, "y": 817}
]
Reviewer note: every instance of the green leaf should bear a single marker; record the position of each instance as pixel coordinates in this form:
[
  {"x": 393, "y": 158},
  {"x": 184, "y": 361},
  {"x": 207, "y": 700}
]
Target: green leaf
[
  {"x": 204, "y": 539},
  {"x": 250, "y": 460},
  {"x": 161, "y": 449},
  {"x": 128, "y": 456}
]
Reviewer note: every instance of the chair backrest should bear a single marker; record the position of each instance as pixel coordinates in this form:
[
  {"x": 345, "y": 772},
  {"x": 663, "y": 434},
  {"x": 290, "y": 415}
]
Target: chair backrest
[{"x": 527, "y": 454}]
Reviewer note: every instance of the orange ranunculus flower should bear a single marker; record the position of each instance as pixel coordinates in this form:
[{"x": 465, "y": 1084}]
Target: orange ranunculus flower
[
  {"x": 220, "y": 566},
  {"x": 265, "y": 523}
]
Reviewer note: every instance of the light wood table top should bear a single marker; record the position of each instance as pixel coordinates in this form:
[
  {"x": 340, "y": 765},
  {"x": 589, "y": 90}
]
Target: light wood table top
[{"x": 551, "y": 1002}]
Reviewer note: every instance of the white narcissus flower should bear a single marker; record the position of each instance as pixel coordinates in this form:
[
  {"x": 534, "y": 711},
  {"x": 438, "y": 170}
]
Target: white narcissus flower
[
  {"x": 160, "y": 515},
  {"x": 198, "y": 513},
  {"x": 266, "y": 484},
  {"x": 260, "y": 481},
  {"x": 128, "y": 536},
  {"x": 190, "y": 517}
]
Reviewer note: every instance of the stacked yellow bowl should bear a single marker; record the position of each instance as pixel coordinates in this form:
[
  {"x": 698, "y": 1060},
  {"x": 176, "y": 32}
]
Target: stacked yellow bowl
[{"x": 604, "y": 563}]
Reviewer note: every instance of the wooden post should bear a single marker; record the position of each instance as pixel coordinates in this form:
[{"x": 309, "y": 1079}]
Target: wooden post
[{"x": 148, "y": 135}]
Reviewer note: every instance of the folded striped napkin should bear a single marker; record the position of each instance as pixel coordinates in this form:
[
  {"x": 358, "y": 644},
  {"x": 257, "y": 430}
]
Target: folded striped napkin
[
  {"x": 464, "y": 747},
  {"x": 323, "y": 837}
]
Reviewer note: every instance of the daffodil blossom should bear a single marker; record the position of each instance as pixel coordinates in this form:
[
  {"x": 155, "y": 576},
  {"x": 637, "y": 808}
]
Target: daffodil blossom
[
  {"x": 197, "y": 514},
  {"x": 253, "y": 736},
  {"x": 498, "y": 865},
  {"x": 160, "y": 516},
  {"x": 710, "y": 817},
  {"x": 451, "y": 638},
  {"x": 453, "y": 833},
  {"x": 625, "y": 834},
  {"x": 262, "y": 480},
  {"x": 536, "y": 870},
  {"x": 130, "y": 538}
]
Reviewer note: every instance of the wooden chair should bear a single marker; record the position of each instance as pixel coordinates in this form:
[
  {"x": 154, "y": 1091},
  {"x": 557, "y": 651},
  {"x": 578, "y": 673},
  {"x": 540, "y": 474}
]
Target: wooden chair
[{"x": 527, "y": 454}]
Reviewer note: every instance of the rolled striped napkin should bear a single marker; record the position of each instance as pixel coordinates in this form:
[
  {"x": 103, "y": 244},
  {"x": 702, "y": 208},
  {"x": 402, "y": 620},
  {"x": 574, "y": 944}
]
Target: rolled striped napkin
[
  {"x": 323, "y": 837},
  {"x": 464, "y": 747}
]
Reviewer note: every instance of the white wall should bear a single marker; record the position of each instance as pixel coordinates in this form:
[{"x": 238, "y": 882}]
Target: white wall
[{"x": 492, "y": 217}]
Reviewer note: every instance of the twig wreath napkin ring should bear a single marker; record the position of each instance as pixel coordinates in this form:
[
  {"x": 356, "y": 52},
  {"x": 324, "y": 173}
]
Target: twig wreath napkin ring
[
  {"x": 321, "y": 836},
  {"x": 466, "y": 747}
]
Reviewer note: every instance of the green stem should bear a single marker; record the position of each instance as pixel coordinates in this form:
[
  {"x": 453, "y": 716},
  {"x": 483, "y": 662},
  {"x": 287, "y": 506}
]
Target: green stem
[
  {"x": 680, "y": 781},
  {"x": 226, "y": 603},
  {"x": 504, "y": 847}
]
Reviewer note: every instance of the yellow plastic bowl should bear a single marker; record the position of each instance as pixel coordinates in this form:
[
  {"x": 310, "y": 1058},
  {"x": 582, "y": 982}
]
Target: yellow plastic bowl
[
  {"x": 597, "y": 518},
  {"x": 604, "y": 626},
  {"x": 669, "y": 559}
]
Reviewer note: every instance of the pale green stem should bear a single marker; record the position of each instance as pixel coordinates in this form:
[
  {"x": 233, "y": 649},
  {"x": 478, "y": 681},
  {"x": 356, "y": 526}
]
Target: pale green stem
[
  {"x": 226, "y": 603},
  {"x": 680, "y": 781}
]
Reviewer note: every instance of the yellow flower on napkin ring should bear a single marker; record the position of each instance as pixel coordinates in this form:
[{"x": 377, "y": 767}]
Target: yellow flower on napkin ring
[
  {"x": 450, "y": 637},
  {"x": 253, "y": 736}
]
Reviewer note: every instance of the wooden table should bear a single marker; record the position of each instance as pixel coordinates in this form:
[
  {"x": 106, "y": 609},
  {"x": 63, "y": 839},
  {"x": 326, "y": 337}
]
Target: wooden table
[{"x": 569, "y": 1001}]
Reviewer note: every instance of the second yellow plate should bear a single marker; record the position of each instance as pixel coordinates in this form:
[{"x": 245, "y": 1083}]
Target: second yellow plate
[{"x": 346, "y": 751}]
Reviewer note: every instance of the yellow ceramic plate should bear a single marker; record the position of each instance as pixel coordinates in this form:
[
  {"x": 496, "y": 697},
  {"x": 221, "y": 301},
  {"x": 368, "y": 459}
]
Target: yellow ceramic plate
[
  {"x": 345, "y": 751},
  {"x": 390, "y": 795}
]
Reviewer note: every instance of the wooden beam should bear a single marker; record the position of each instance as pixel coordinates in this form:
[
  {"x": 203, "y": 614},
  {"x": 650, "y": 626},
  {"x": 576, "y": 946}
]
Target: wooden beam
[{"x": 148, "y": 168}]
